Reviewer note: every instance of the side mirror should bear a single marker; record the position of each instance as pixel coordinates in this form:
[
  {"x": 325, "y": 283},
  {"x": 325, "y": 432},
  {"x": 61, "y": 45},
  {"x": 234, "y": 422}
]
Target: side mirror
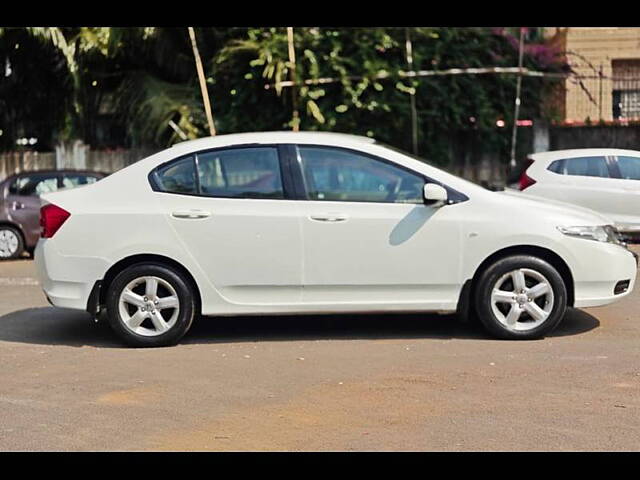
[{"x": 434, "y": 194}]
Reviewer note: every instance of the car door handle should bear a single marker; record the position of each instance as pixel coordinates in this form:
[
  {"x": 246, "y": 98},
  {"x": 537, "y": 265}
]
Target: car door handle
[
  {"x": 191, "y": 214},
  {"x": 18, "y": 205},
  {"x": 329, "y": 217}
]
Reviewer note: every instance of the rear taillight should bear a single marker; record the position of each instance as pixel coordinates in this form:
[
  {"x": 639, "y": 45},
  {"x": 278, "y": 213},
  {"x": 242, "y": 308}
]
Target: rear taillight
[
  {"x": 525, "y": 180},
  {"x": 51, "y": 219}
]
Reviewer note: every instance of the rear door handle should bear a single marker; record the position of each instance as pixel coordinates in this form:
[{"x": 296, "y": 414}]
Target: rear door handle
[
  {"x": 191, "y": 214},
  {"x": 329, "y": 217},
  {"x": 18, "y": 205}
]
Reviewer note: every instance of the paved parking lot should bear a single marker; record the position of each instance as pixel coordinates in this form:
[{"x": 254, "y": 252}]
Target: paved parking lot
[{"x": 392, "y": 382}]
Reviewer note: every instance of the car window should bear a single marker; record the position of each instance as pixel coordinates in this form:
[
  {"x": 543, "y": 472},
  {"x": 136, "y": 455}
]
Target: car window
[
  {"x": 581, "y": 166},
  {"x": 178, "y": 177},
  {"x": 241, "y": 173},
  {"x": 629, "y": 167},
  {"x": 75, "y": 180},
  {"x": 338, "y": 175},
  {"x": 34, "y": 185}
]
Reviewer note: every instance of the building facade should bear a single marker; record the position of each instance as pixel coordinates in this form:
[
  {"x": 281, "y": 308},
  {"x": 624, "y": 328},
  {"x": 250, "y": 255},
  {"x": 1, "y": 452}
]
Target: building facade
[{"x": 607, "y": 63}]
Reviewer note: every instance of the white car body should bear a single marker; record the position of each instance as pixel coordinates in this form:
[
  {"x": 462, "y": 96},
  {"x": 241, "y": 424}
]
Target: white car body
[
  {"x": 256, "y": 256},
  {"x": 615, "y": 194}
]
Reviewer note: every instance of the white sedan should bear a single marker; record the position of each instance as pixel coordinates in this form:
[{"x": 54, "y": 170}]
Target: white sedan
[
  {"x": 284, "y": 223},
  {"x": 606, "y": 180}
]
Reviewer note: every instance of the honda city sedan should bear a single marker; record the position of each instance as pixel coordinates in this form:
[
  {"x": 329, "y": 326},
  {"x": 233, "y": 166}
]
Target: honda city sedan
[{"x": 294, "y": 223}]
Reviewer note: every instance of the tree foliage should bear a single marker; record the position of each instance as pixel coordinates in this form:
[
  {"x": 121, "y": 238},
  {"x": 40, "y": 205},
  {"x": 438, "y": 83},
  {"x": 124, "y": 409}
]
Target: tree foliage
[{"x": 147, "y": 78}]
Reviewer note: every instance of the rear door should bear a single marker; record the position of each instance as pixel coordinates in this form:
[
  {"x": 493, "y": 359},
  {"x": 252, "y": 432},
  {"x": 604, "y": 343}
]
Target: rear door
[
  {"x": 585, "y": 181},
  {"x": 231, "y": 210},
  {"x": 627, "y": 208}
]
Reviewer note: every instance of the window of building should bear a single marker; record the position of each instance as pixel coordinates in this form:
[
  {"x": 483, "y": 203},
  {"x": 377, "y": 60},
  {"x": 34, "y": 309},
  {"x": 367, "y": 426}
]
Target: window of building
[{"x": 626, "y": 89}]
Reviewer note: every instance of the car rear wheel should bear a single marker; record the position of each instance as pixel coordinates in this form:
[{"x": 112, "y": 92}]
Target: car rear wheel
[
  {"x": 11, "y": 243},
  {"x": 150, "y": 305},
  {"x": 521, "y": 297}
]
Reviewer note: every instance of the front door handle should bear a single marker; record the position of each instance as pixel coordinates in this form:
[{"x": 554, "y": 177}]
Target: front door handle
[
  {"x": 18, "y": 205},
  {"x": 329, "y": 217},
  {"x": 191, "y": 214}
]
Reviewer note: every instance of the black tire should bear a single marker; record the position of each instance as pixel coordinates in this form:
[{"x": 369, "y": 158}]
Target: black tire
[
  {"x": 20, "y": 246},
  {"x": 485, "y": 309},
  {"x": 185, "y": 312}
]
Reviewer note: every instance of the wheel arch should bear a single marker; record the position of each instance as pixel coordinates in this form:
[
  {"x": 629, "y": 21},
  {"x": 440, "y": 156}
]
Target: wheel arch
[
  {"x": 121, "y": 265},
  {"x": 468, "y": 289}
]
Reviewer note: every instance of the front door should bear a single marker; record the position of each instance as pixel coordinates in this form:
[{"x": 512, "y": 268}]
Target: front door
[{"x": 369, "y": 239}]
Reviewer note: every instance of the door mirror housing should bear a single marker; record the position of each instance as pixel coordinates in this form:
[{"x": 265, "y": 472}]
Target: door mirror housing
[{"x": 434, "y": 194}]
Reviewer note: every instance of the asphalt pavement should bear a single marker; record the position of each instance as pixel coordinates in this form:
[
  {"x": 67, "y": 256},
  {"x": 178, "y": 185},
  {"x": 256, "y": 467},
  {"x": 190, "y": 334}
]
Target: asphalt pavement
[{"x": 315, "y": 383}]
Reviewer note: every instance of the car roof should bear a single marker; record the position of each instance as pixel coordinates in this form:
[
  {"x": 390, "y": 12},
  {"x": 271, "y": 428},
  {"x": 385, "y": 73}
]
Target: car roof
[
  {"x": 581, "y": 152},
  {"x": 53, "y": 172},
  {"x": 274, "y": 137}
]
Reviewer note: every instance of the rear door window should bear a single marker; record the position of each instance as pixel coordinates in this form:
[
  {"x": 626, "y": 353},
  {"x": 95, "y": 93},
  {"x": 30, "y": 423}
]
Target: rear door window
[
  {"x": 34, "y": 185},
  {"x": 629, "y": 167},
  {"x": 241, "y": 173},
  {"x": 581, "y": 166},
  {"x": 75, "y": 180}
]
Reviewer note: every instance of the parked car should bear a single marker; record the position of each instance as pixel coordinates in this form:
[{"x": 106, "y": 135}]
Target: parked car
[
  {"x": 286, "y": 223},
  {"x": 606, "y": 180},
  {"x": 20, "y": 205}
]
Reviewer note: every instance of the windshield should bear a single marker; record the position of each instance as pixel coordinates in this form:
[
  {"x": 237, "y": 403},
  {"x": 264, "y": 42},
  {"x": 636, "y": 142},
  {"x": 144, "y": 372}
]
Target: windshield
[
  {"x": 405, "y": 153},
  {"x": 420, "y": 159}
]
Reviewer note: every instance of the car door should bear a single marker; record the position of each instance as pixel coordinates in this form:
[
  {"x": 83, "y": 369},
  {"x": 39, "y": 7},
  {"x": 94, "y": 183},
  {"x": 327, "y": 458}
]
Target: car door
[
  {"x": 627, "y": 204},
  {"x": 369, "y": 239},
  {"x": 585, "y": 181},
  {"x": 230, "y": 209},
  {"x": 23, "y": 201}
]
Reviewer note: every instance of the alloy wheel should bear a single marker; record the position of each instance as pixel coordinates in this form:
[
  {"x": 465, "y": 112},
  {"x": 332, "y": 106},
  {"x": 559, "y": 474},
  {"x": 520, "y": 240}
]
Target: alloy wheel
[
  {"x": 149, "y": 306},
  {"x": 8, "y": 243},
  {"x": 522, "y": 299}
]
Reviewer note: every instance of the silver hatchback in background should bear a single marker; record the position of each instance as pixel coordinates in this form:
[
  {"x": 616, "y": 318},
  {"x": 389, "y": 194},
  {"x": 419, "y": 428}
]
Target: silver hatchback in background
[{"x": 606, "y": 180}]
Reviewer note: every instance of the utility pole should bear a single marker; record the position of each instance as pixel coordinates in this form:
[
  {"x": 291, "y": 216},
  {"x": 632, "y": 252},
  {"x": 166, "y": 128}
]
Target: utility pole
[
  {"x": 517, "y": 106},
  {"x": 292, "y": 77},
  {"x": 414, "y": 112},
  {"x": 203, "y": 83}
]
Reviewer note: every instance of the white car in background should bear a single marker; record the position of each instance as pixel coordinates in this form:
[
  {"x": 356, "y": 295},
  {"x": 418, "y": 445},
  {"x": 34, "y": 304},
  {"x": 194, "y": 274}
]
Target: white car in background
[
  {"x": 606, "y": 180},
  {"x": 286, "y": 223}
]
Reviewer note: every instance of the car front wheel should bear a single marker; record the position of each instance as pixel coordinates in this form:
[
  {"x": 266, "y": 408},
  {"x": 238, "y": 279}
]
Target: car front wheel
[
  {"x": 521, "y": 297},
  {"x": 150, "y": 305}
]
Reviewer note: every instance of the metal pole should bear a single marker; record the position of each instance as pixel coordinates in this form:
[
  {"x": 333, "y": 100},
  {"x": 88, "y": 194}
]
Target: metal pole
[
  {"x": 414, "y": 112},
  {"x": 600, "y": 94},
  {"x": 203, "y": 83},
  {"x": 294, "y": 90},
  {"x": 514, "y": 133}
]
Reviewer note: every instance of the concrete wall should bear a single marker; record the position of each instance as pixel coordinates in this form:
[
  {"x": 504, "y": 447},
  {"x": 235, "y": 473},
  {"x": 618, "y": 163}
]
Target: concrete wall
[
  {"x": 75, "y": 157},
  {"x": 609, "y": 136}
]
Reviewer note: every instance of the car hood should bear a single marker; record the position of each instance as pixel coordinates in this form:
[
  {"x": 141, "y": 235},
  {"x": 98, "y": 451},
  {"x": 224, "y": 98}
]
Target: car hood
[{"x": 559, "y": 211}]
